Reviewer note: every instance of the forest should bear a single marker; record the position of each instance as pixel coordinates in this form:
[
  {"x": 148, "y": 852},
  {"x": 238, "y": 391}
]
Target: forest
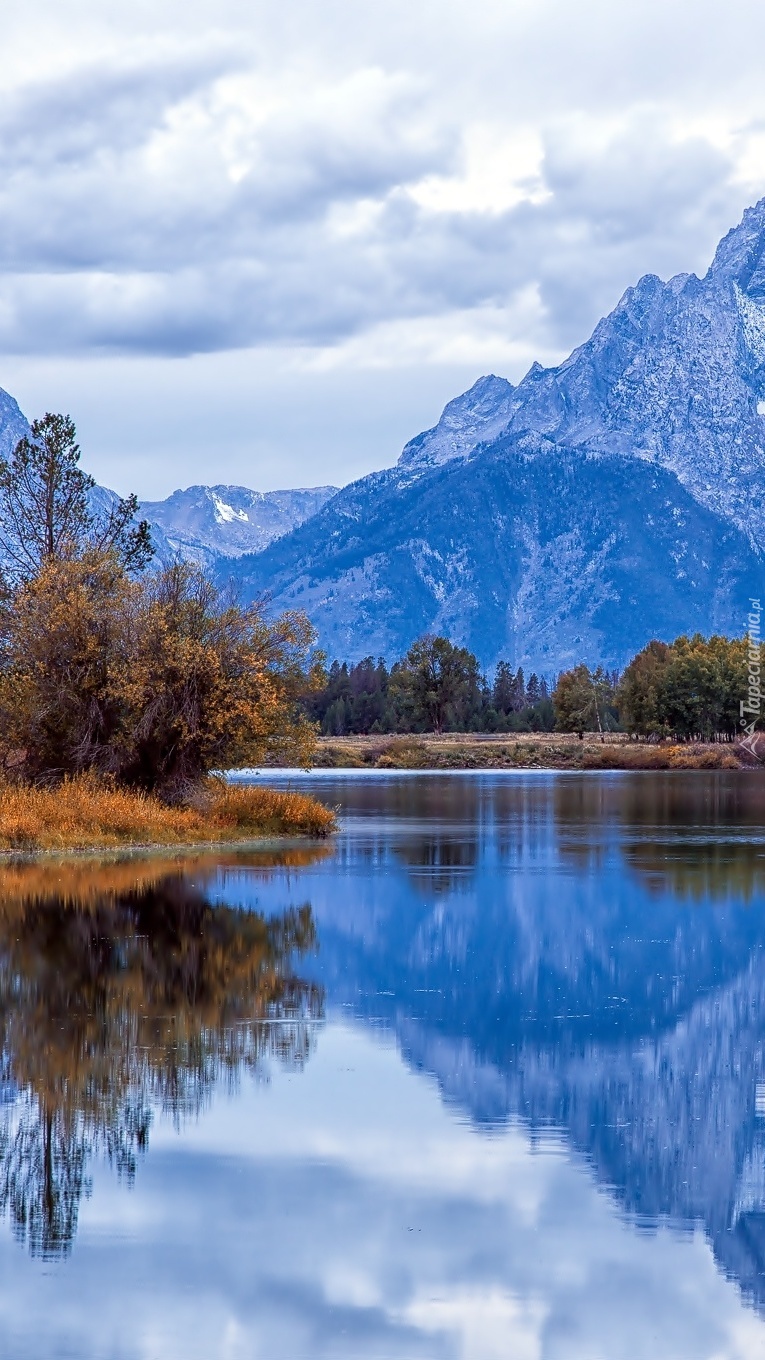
[{"x": 690, "y": 689}]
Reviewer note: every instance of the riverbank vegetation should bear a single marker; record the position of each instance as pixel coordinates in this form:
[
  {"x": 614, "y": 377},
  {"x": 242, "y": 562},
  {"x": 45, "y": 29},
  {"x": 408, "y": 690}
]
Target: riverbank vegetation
[
  {"x": 523, "y": 751},
  {"x": 123, "y": 684},
  {"x": 687, "y": 691},
  {"x": 87, "y": 813}
]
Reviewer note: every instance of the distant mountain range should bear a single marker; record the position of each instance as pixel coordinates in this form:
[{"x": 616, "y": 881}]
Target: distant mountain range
[
  {"x": 614, "y": 498},
  {"x": 207, "y": 522},
  {"x": 200, "y": 523}
]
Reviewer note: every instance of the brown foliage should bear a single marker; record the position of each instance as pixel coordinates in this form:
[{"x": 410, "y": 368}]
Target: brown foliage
[
  {"x": 155, "y": 682},
  {"x": 112, "y": 1005},
  {"x": 84, "y": 882}
]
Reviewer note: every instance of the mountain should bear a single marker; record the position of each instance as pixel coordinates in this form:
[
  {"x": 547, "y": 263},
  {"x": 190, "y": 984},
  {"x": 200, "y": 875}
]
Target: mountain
[
  {"x": 205, "y": 522},
  {"x": 13, "y": 424},
  {"x": 202, "y": 523},
  {"x": 615, "y": 497}
]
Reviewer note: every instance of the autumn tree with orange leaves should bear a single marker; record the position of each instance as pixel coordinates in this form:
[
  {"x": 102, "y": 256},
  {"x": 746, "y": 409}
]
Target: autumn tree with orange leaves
[{"x": 150, "y": 677}]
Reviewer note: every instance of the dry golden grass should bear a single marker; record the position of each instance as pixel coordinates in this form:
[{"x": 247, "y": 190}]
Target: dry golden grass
[
  {"x": 84, "y": 813},
  {"x": 517, "y": 751}
]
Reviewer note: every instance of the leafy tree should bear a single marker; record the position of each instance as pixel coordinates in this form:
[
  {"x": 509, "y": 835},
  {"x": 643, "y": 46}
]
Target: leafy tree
[
  {"x": 437, "y": 684},
  {"x": 574, "y": 701},
  {"x": 154, "y": 681},
  {"x": 46, "y": 509},
  {"x": 701, "y": 686},
  {"x": 640, "y": 688},
  {"x": 691, "y": 688}
]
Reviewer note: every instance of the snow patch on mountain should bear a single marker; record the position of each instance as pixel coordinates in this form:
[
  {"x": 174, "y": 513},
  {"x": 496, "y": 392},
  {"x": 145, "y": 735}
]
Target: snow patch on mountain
[
  {"x": 753, "y": 318},
  {"x": 226, "y": 514},
  {"x": 203, "y": 523}
]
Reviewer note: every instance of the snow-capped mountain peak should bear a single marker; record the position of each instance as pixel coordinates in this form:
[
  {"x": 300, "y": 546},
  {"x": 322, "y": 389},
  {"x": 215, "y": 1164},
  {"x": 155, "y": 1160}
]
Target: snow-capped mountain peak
[
  {"x": 206, "y": 522},
  {"x": 226, "y": 514}
]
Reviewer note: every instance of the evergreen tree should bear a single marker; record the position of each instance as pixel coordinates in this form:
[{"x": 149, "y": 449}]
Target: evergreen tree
[{"x": 46, "y": 511}]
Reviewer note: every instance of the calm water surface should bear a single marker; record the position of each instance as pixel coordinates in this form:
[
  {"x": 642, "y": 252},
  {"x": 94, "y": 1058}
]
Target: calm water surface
[{"x": 483, "y": 1078}]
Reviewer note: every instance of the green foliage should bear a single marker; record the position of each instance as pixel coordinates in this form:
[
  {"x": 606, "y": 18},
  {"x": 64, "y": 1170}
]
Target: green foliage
[
  {"x": 367, "y": 698},
  {"x": 584, "y": 701},
  {"x": 353, "y": 699},
  {"x": 691, "y": 688},
  {"x": 437, "y": 685}
]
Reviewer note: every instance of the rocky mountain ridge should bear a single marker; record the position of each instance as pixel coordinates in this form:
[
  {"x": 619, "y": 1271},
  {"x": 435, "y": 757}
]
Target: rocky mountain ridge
[
  {"x": 199, "y": 523},
  {"x": 612, "y": 498},
  {"x": 615, "y": 497},
  {"x": 675, "y": 375},
  {"x": 203, "y": 523}
]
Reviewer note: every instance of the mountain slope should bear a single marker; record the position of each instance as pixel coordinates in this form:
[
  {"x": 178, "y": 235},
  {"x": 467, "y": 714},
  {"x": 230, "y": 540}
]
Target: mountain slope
[
  {"x": 613, "y": 498},
  {"x": 544, "y": 561},
  {"x": 203, "y": 522},
  {"x": 13, "y": 425}
]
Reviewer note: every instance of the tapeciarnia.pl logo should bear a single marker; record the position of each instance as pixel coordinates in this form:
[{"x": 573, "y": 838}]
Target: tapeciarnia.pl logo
[{"x": 751, "y": 706}]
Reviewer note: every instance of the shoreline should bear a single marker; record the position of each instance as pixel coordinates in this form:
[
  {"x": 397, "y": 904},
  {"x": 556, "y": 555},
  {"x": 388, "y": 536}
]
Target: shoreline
[
  {"x": 266, "y": 844},
  {"x": 84, "y": 814},
  {"x": 526, "y": 751}
]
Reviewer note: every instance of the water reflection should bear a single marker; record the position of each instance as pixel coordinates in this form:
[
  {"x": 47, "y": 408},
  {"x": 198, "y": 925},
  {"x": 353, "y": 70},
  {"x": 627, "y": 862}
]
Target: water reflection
[
  {"x": 535, "y": 1123},
  {"x": 123, "y": 990},
  {"x": 585, "y": 954}
]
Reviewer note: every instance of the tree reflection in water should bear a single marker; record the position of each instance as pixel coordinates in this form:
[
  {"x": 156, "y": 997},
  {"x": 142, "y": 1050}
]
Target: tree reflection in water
[{"x": 123, "y": 990}]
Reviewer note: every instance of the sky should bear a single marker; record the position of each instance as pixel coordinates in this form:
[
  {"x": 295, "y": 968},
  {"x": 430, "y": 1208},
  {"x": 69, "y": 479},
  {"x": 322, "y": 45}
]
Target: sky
[{"x": 264, "y": 241}]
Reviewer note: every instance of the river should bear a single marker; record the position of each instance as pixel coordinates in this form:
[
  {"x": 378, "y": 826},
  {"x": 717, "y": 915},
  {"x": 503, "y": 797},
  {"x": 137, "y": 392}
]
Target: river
[{"x": 483, "y": 1077}]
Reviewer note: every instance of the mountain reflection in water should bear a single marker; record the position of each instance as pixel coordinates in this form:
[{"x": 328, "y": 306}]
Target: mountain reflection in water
[
  {"x": 123, "y": 990},
  {"x": 584, "y": 953},
  {"x": 533, "y": 1119}
]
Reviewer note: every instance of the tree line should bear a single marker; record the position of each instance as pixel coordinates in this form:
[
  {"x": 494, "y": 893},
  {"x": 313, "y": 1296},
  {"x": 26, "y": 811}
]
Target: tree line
[
  {"x": 436, "y": 687},
  {"x": 689, "y": 689}
]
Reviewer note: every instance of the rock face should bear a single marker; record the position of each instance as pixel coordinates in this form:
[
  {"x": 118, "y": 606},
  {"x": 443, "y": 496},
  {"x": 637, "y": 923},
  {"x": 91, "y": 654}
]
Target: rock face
[
  {"x": 546, "y": 561},
  {"x": 13, "y": 425},
  {"x": 613, "y": 498},
  {"x": 206, "y": 522}
]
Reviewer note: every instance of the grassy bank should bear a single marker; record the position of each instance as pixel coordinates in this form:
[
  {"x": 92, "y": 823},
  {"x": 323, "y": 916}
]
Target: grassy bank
[
  {"x": 559, "y": 751},
  {"x": 85, "y": 814}
]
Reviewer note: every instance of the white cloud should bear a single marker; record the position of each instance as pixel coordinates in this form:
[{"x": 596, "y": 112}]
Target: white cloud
[
  {"x": 345, "y": 1212},
  {"x": 385, "y": 186}
]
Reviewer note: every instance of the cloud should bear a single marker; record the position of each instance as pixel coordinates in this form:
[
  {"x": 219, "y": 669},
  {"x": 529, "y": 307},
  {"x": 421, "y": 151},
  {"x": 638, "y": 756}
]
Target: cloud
[
  {"x": 423, "y": 185},
  {"x": 310, "y": 234},
  {"x": 341, "y": 1211}
]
